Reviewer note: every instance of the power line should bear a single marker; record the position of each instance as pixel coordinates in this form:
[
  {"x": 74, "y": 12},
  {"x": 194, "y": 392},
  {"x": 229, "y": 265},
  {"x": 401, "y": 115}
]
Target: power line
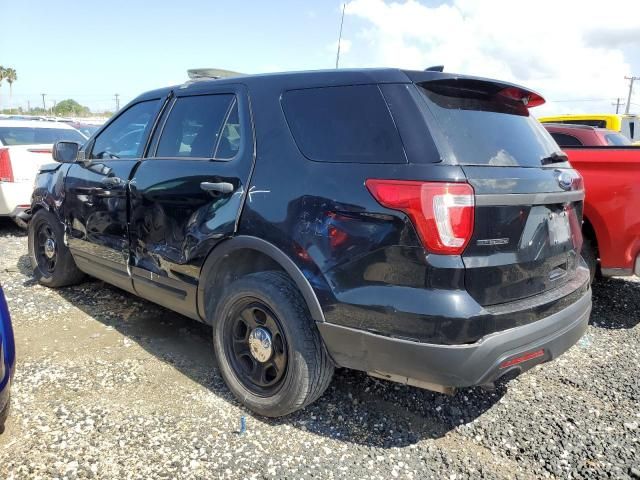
[{"x": 583, "y": 100}]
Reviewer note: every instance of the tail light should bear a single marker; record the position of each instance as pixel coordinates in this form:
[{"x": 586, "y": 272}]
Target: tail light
[
  {"x": 530, "y": 99},
  {"x": 6, "y": 171},
  {"x": 442, "y": 213}
]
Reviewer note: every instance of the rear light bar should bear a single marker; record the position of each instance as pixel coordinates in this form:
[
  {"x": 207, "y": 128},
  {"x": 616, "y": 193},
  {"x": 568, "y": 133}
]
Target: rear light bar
[
  {"x": 441, "y": 212},
  {"x": 6, "y": 170}
]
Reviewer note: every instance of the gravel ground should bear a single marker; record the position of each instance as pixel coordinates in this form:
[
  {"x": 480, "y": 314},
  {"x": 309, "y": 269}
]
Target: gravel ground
[{"x": 110, "y": 386}]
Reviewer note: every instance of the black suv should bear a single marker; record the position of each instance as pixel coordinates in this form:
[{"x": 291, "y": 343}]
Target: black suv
[{"x": 416, "y": 225}]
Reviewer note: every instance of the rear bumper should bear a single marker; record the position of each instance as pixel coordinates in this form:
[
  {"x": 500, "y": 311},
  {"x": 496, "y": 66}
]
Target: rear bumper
[{"x": 441, "y": 366}]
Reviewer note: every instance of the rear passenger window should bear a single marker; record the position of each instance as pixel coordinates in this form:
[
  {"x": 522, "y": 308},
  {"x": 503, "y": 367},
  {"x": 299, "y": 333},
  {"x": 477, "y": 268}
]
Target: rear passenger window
[
  {"x": 343, "y": 124},
  {"x": 564, "y": 140},
  {"x": 204, "y": 126}
]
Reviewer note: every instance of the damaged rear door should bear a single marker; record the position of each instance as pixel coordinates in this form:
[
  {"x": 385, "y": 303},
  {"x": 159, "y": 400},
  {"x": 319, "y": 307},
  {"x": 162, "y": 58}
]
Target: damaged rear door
[{"x": 187, "y": 193}]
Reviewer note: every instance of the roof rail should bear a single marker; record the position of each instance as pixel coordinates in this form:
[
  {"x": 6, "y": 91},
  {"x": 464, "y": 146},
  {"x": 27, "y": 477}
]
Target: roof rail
[{"x": 208, "y": 73}]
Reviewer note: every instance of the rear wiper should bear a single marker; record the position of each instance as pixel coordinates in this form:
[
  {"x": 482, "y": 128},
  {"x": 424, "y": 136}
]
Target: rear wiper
[{"x": 555, "y": 157}]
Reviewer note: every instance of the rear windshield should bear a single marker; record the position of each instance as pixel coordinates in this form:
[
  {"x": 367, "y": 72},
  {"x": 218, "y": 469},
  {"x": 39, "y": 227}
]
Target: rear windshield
[
  {"x": 482, "y": 128},
  {"x": 32, "y": 136}
]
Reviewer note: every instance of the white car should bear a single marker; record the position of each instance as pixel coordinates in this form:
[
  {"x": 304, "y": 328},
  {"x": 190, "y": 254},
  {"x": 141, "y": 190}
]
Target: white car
[{"x": 25, "y": 145}]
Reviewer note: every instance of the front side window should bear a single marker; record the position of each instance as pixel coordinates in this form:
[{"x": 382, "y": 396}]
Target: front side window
[
  {"x": 203, "y": 126},
  {"x": 343, "y": 124},
  {"x": 125, "y": 136}
]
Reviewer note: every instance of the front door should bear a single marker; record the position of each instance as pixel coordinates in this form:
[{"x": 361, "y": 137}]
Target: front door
[
  {"x": 95, "y": 206},
  {"x": 186, "y": 196}
]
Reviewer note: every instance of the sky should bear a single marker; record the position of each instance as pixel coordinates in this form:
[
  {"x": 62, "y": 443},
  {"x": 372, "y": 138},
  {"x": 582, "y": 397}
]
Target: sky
[{"x": 575, "y": 53}]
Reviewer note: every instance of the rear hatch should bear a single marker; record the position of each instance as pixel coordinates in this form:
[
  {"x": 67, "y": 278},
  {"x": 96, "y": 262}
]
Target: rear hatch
[{"x": 527, "y": 223}]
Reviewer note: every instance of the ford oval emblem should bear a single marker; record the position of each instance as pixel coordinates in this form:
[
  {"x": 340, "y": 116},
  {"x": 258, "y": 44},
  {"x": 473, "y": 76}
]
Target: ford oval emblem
[{"x": 565, "y": 180}]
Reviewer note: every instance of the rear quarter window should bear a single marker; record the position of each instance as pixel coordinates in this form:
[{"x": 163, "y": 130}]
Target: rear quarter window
[
  {"x": 349, "y": 124},
  {"x": 565, "y": 140}
]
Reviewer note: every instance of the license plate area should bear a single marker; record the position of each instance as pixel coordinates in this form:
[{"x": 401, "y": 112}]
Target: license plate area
[{"x": 559, "y": 227}]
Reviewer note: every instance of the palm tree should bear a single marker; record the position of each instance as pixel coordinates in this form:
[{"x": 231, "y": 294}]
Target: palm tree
[
  {"x": 2, "y": 74},
  {"x": 10, "y": 76}
]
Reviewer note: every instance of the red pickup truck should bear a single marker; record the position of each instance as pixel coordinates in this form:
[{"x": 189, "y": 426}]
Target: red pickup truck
[{"x": 611, "y": 227}]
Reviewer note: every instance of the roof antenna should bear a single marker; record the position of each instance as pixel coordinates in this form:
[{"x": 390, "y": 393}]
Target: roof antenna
[
  {"x": 435, "y": 68},
  {"x": 340, "y": 36}
]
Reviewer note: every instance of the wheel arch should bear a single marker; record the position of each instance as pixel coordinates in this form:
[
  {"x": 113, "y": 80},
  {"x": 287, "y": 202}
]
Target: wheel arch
[
  {"x": 247, "y": 254},
  {"x": 39, "y": 205}
]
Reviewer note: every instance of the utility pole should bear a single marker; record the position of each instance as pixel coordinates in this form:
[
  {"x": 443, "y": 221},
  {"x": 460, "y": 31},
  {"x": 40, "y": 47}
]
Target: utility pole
[
  {"x": 117, "y": 96},
  {"x": 340, "y": 36},
  {"x": 631, "y": 80},
  {"x": 44, "y": 105},
  {"x": 618, "y": 104}
]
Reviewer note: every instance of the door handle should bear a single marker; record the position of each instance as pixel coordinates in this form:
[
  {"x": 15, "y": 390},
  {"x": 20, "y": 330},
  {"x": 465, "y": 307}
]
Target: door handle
[
  {"x": 111, "y": 182},
  {"x": 220, "y": 187}
]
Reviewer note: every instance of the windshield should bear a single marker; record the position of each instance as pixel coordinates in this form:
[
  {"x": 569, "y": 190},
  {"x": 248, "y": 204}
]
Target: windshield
[
  {"x": 10, "y": 136},
  {"x": 482, "y": 128}
]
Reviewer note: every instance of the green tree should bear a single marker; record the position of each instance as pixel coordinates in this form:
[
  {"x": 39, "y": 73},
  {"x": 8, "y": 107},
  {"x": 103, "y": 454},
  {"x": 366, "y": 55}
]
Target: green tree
[{"x": 70, "y": 107}]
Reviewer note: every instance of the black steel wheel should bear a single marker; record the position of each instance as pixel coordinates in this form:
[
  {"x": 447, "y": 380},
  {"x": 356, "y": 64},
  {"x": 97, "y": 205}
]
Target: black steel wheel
[
  {"x": 46, "y": 248},
  {"x": 51, "y": 260},
  {"x": 268, "y": 348},
  {"x": 256, "y": 346}
]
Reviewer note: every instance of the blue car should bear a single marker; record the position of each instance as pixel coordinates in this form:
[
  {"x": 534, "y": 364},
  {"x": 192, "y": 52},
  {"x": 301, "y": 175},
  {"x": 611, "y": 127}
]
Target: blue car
[{"x": 7, "y": 357}]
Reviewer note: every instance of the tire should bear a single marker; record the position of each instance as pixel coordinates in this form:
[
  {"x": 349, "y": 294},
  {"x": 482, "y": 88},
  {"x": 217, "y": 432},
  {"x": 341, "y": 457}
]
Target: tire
[
  {"x": 274, "y": 387},
  {"x": 60, "y": 270},
  {"x": 589, "y": 253}
]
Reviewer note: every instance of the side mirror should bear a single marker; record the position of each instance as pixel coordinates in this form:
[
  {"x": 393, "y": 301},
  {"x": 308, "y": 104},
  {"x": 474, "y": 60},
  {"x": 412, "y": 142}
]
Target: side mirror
[{"x": 66, "y": 152}]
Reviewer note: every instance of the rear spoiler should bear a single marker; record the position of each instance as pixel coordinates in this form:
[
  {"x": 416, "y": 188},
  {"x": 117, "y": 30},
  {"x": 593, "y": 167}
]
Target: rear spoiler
[{"x": 507, "y": 90}]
